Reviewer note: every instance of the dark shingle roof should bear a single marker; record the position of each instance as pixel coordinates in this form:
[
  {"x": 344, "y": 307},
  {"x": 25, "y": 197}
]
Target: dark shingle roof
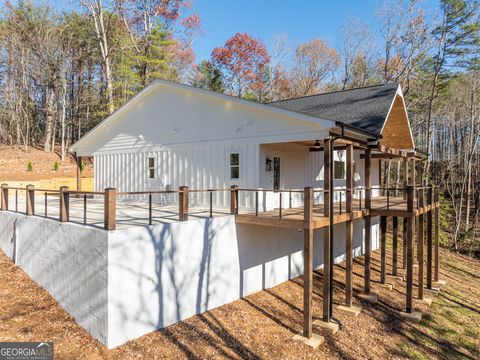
[{"x": 364, "y": 108}]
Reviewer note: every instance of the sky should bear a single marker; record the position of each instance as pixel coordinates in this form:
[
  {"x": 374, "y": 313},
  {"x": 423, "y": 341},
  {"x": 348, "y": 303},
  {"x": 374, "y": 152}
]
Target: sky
[{"x": 301, "y": 20}]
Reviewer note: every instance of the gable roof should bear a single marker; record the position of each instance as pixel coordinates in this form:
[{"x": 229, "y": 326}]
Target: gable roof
[
  {"x": 309, "y": 118},
  {"x": 364, "y": 108}
]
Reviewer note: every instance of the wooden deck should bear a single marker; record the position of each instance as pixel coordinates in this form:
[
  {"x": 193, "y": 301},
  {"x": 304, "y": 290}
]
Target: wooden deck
[{"x": 294, "y": 217}]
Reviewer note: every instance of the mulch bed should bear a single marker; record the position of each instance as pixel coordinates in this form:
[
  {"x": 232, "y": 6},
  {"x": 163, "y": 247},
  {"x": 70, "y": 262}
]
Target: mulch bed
[{"x": 258, "y": 326}]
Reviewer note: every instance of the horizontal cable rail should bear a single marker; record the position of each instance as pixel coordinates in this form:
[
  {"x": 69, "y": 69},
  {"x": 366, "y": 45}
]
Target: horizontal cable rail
[{"x": 108, "y": 208}]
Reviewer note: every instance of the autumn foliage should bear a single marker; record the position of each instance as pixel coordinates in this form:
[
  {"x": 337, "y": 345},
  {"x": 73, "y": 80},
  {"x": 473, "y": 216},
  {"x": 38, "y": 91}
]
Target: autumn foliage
[{"x": 244, "y": 61}]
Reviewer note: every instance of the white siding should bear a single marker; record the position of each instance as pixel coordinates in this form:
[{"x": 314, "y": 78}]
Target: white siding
[
  {"x": 198, "y": 168},
  {"x": 165, "y": 117}
]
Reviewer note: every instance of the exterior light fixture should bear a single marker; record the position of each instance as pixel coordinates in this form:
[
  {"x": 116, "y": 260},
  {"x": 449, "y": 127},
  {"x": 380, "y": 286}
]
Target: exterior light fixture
[{"x": 268, "y": 164}]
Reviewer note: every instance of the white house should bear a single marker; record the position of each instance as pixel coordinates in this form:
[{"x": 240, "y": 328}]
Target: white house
[
  {"x": 128, "y": 282},
  {"x": 171, "y": 135}
]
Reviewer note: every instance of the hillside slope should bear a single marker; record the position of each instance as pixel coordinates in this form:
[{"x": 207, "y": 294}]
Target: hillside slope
[
  {"x": 262, "y": 325},
  {"x": 14, "y": 164}
]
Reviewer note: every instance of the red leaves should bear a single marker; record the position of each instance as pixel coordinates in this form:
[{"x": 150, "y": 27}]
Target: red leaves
[
  {"x": 191, "y": 22},
  {"x": 244, "y": 59}
]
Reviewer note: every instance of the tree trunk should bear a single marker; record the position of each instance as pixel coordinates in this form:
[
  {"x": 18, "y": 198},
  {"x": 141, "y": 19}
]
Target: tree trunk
[{"x": 49, "y": 110}]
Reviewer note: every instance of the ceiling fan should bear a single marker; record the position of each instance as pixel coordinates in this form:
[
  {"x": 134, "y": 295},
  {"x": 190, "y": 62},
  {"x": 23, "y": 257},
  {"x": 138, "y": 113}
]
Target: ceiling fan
[{"x": 316, "y": 146}]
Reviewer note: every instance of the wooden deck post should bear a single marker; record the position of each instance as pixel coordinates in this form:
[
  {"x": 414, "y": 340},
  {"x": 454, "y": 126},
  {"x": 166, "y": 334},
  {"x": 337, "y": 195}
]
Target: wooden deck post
[
  {"x": 368, "y": 228},
  {"x": 414, "y": 183},
  {"x": 437, "y": 235},
  {"x": 405, "y": 177},
  {"x": 395, "y": 246},
  {"x": 414, "y": 175},
  {"x": 30, "y": 196},
  {"x": 409, "y": 297},
  {"x": 326, "y": 230},
  {"x": 4, "y": 197},
  {"x": 404, "y": 250},
  {"x": 183, "y": 203},
  {"x": 234, "y": 199},
  {"x": 307, "y": 261},
  {"x": 64, "y": 204},
  {"x": 429, "y": 237},
  {"x": 79, "y": 173},
  {"x": 383, "y": 249},
  {"x": 420, "y": 247},
  {"x": 349, "y": 228},
  {"x": 110, "y": 208}
]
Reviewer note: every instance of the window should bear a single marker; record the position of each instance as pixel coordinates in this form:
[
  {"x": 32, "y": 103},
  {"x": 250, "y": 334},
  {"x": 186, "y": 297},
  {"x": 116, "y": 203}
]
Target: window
[
  {"x": 234, "y": 166},
  {"x": 339, "y": 170},
  {"x": 151, "y": 168}
]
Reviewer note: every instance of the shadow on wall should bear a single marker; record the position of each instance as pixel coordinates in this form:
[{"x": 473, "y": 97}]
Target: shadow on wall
[
  {"x": 67, "y": 260},
  {"x": 162, "y": 274}
]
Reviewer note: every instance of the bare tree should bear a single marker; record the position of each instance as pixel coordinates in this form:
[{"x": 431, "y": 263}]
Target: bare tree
[
  {"x": 356, "y": 52},
  {"x": 97, "y": 14},
  {"x": 315, "y": 62}
]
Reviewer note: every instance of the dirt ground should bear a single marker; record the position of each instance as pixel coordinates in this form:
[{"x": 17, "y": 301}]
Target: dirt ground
[
  {"x": 14, "y": 164},
  {"x": 261, "y": 326}
]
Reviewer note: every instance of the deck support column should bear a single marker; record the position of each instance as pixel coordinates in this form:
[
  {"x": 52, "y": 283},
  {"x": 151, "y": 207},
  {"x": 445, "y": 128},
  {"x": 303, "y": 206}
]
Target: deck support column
[
  {"x": 429, "y": 238},
  {"x": 368, "y": 228},
  {"x": 327, "y": 197},
  {"x": 405, "y": 178},
  {"x": 307, "y": 262},
  {"x": 30, "y": 196},
  {"x": 409, "y": 220},
  {"x": 413, "y": 175},
  {"x": 64, "y": 204},
  {"x": 79, "y": 173},
  {"x": 383, "y": 249},
  {"x": 420, "y": 246},
  {"x": 395, "y": 246},
  {"x": 349, "y": 228},
  {"x": 234, "y": 199},
  {"x": 437, "y": 235},
  {"x": 183, "y": 203},
  {"x": 404, "y": 249},
  {"x": 110, "y": 207},
  {"x": 4, "y": 196}
]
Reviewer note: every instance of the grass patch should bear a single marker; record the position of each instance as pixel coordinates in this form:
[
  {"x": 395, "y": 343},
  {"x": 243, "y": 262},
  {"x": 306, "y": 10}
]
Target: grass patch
[{"x": 450, "y": 328}]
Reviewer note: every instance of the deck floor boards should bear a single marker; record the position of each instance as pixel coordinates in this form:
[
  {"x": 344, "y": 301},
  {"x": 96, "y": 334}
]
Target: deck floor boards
[{"x": 293, "y": 217}]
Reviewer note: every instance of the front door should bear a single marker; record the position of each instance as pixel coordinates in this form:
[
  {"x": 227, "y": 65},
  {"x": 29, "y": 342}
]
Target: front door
[{"x": 276, "y": 173}]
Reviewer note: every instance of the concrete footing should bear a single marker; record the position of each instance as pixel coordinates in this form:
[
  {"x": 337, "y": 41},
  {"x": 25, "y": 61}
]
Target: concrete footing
[
  {"x": 439, "y": 283},
  {"x": 354, "y": 310},
  {"x": 414, "y": 316},
  {"x": 433, "y": 290},
  {"x": 314, "y": 341},
  {"x": 427, "y": 301},
  {"x": 386, "y": 286},
  {"x": 371, "y": 298},
  {"x": 399, "y": 278},
  {"x": 330, "y": 327}
]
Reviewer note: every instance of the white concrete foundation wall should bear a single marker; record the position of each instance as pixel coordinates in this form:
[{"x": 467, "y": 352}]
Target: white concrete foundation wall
[
  {"x": 122, "y": 284},
  {"x": 162, "y": 274},
  {"x": 68, "y": 260}
]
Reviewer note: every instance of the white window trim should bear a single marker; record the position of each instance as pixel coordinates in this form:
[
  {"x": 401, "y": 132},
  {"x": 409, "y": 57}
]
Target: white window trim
[
  {"x": 149, "y": 168},
  {"x": 344, "y": 170},
  {"x": 230, "y": 166}
]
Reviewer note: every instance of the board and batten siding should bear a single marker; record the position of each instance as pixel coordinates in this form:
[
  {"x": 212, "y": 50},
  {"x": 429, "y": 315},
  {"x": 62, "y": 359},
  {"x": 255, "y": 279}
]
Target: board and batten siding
[{"x": 205, "y": 167}]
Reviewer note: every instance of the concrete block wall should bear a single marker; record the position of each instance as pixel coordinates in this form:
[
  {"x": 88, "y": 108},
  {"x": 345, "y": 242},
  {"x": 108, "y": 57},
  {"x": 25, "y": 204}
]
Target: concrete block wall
[
  {"x": 68, "y": 260},
  {"x": 122, "y": 284}
]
